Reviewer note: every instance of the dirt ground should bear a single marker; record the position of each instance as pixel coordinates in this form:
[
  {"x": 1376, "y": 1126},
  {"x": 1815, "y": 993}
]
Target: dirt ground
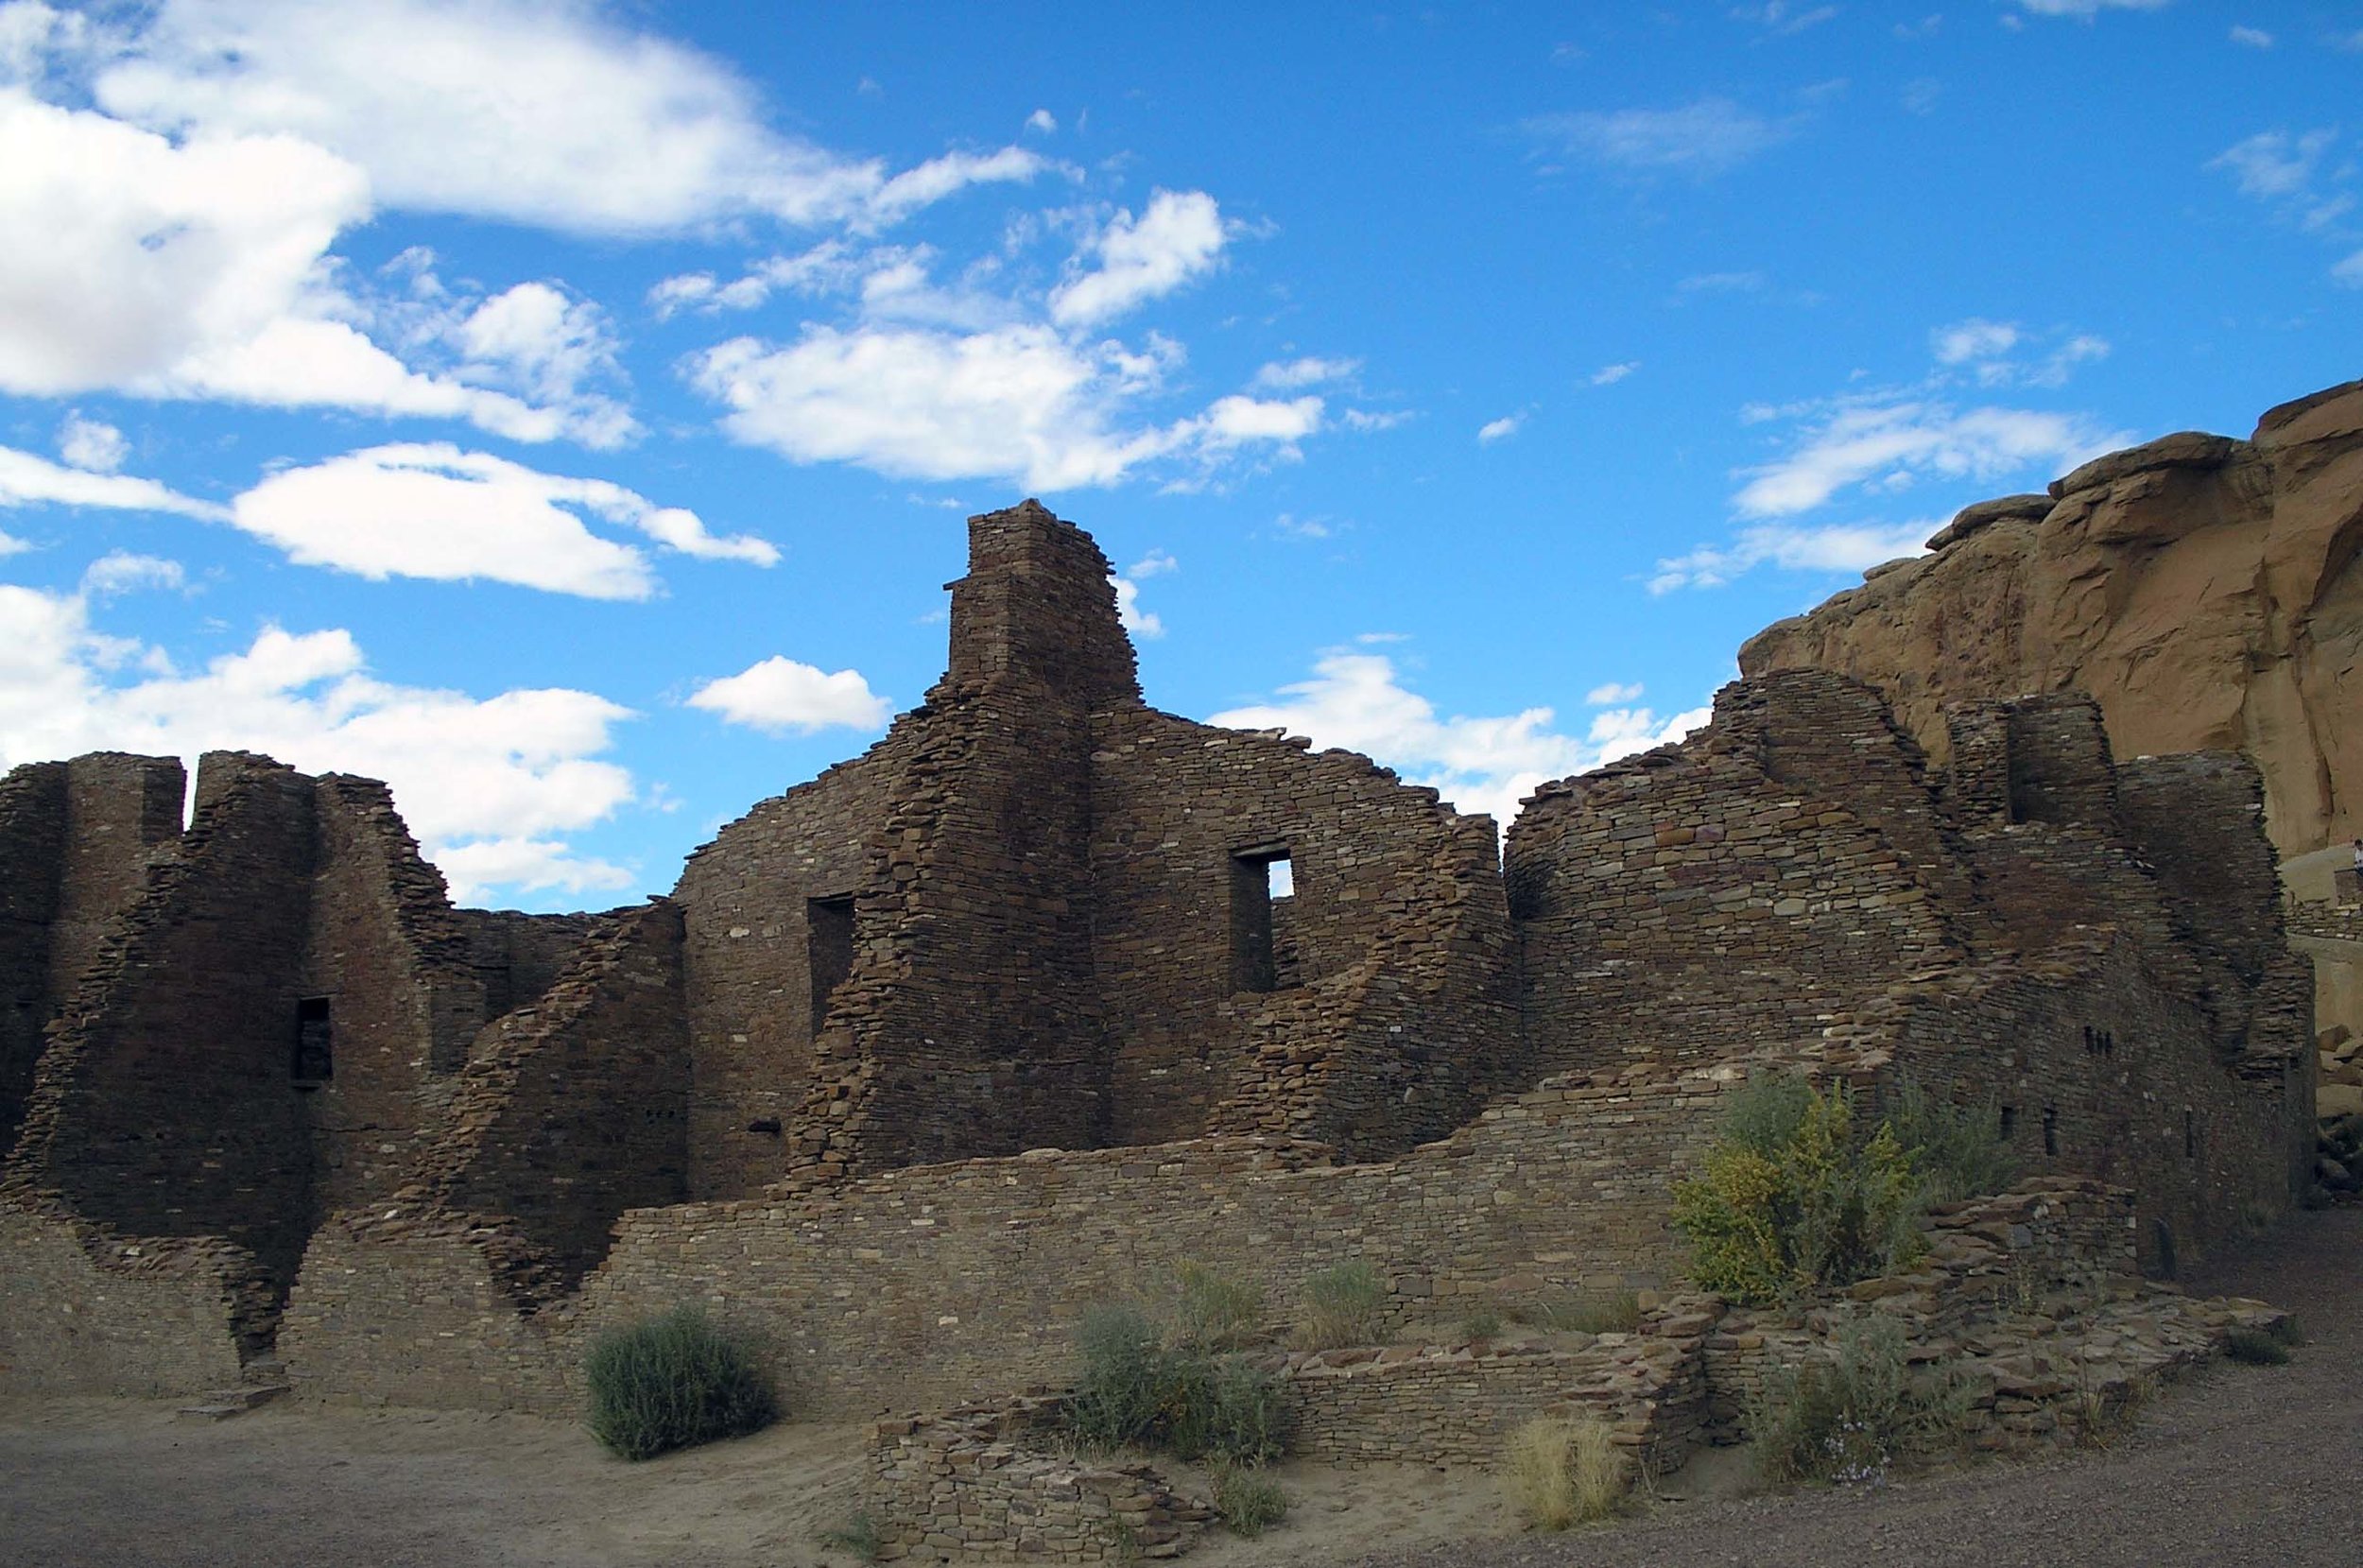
[{"x": 2240, "y": 1466}]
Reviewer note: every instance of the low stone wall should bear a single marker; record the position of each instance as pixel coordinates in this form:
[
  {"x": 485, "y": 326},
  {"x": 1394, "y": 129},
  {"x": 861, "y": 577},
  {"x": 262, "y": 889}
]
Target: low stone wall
[
  {"x": 965, "y": 1483},
  {"x": 88, "y": 1313},
  {"x": 1457, "y": 1404},
  {"x": 2028, "y": 1301}
]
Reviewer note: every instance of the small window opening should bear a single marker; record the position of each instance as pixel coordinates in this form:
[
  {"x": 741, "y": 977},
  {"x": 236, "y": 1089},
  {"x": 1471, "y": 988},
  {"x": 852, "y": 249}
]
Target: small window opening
[
  {"x": 1260, "y": 878},
  {"x": 829, "y": 937},
  {"x": 765, "y": 1124},
  {"x": 2009, "y": 1121},
  {"x": 315, "y": 1059},
  {"x": 2162, "y": 1242},
  {"x": 2051, "y": 1129},
  {"x": 2190, "y": 1133}
]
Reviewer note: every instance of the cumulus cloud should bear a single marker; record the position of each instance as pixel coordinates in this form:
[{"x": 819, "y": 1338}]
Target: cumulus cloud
[
  {"x": 91, "y": 444},
  {"x": 2350, "y": 271},
  {"x": 1831, "y": 547},
  {"x": 549, "y": 113},
  {"x": 1357, "y": 701},
  {"x": 779, "y": 696},
  {"x": 1974, "y": 338},
  {"x": 1178, "y": 237},
  {"x": 1612, "y": 694},
  {"x": 1609, "y": 375},
  {"x": 1141, "y": 622},
  {"x": 1500, "y": 429},
  {"x": 28, "y": 480},
  {"x": 122, "y": 572},
  {"x": 2253, "y": 38},
  {"x": 2084, "y": 10},
  {"x": 1983, "y": 349},
  {"x": 2273, "y": 164},
  {"x": 432, "y": 511},
  {"x": 1288, "y": 375},
  {"x": 1892, "y": 446},
  {"x": 490, "y": 785},
  {"x": 1704, "y": 138},
  {"x": 202, "y": 269}
]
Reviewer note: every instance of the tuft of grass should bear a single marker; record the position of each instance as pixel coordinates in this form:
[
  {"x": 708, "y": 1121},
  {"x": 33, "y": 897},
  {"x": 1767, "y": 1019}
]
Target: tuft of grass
[
  {"x": 672, "y": 1382},
  {"x": 1250, "y": 1501},
  {"x": 2257, "y": 1348},
  {"x": 1591, "y": 1315},
  {"x": 1136, "y": 1391},
  {"x": 1958, "y": 1150},
  {"x": 1564, "y": 1470},
  {"x": 1847, "y": 1420},
  {"x": 1342, "y": 1304},
  {"x": 858, "y": 1535},
  {"x": 1213, "y": 1310},
  {"x": 1121, "y": 1395},
  {"x": 1482, "y": 1324}
]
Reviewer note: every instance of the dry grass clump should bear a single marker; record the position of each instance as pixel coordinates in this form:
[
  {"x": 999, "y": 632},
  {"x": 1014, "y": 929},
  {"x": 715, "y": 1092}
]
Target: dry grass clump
[
  {"x": 1213, "y": 1312},
  {"x": 1341, "y": 1306},
  {"x": 1565, "y": 1469},
  {"x": 1250, "y": 1500}
]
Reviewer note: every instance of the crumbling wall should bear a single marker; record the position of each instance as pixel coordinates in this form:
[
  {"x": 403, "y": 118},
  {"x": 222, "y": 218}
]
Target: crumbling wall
[
  {"x": 1684, "y": 904},
  {"x": 970, "y": 1024},
  {"x": 576, "y": 1110},
  {"x": 163, "y": 1106},
  {"x": 89, "y": 1312},
  {"x": 390, "y": 977},
  {"x": 1382, "y": 1011},
  {"x": 762, "y": 906},
  {"x": 517, "y": 956},
  {"x": 32, "y": 849}
]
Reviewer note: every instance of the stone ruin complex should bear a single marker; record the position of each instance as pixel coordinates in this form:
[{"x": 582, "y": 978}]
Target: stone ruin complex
[{"x": 1004, "y": 1017}]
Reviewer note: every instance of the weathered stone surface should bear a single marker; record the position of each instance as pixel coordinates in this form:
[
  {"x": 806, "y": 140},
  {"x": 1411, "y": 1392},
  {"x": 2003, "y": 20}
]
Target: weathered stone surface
[{"x": 2204, "y": 590}]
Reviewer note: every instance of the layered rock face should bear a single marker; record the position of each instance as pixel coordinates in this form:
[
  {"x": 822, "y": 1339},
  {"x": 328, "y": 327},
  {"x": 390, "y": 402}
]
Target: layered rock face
[{"x": 2205, "y": 590}]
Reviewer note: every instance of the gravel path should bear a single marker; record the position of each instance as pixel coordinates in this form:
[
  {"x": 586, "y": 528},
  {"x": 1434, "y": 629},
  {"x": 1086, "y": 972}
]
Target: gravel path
[{"x": 2239, "y": 1466}]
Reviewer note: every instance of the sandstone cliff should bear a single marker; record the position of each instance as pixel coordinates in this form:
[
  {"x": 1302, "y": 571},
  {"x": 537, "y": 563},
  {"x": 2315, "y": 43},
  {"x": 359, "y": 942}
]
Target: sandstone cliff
[{"x": 2205, "y": 590}]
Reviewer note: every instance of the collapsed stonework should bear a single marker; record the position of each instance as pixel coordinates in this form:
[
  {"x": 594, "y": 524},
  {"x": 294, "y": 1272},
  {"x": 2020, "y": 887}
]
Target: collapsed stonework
[{"x": 1005, "y": 1016}]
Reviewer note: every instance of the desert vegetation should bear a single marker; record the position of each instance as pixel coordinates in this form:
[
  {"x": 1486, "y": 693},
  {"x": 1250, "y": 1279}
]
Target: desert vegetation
[{"x": 673, "y": 1382}]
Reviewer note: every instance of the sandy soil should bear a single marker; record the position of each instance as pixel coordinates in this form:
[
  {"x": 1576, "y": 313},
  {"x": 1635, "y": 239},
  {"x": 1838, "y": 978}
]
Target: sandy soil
[{"x": 2240, "y": 1466}]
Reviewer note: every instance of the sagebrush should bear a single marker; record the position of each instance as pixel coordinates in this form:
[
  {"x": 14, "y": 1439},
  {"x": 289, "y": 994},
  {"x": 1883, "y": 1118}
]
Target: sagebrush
[
  {"x": 1135, "y": 1390},
  {"x": 1565, "y": 1469},
  {"x": 1213, "y": 1310},
  {"x": 1790, "y": 1198},
  {"x": 672, "y": 1382},
  {"x": 1849, "y": 1418},
  {"x": 1958, "y": 1150},
  {"x": 1250, "y": 1500},
  {"x": 1342, "y": 1306}
]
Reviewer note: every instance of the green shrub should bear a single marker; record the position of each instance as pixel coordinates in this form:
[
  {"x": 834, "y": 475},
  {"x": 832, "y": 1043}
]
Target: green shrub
[
  {"x": 1213, "y": 1312},
  {"x": 1135, "y": 1390},
  {"x": 672, "y": 1382},
  {"x": 1847, "y": 1420},
  {"x": 1563, "y": 1471},
  {"x": 1250, "y": 1501},
  {"x": 1341, "y": 1305},
  {"x": 1482, "y": 1324},
  {"x": 2257, "y": 1348},
  {"x": 858, "y": 1535},
  {"x": 1958, "y": 1150},
  {"x": 1789, "y": 1198}
]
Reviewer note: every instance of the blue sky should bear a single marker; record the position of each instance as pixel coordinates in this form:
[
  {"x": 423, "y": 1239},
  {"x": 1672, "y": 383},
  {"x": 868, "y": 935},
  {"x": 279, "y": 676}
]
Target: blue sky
[{"x": 567, "y": 411}]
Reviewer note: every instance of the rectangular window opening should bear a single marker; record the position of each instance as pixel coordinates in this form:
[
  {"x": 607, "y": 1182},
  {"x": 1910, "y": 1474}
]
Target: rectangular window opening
[
  {"x": 1261, "y": 878},
  {"x": 2190, "y": 1133},
  {"x": 2051, "y": 1129},
  {"x": 829, "y": 950},
  {"x": 314, "y": 1061},
  {"x": 2010, "y": 1122}
]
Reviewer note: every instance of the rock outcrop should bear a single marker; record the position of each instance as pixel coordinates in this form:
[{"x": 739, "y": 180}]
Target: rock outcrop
[{"x": 2205, "y": 590}]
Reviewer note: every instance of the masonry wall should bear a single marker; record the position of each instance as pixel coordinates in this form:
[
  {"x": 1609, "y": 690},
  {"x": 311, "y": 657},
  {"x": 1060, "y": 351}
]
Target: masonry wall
[
  {"x": 162, "y": 1105},
  {"x": 123, "y": 813},
  {"x": 517, "y": 956},
  {"x": 932, "y": 1285},
  {"x": 1683, "y": 905},
  {"x": 32, "y": 847},
  {"x": 394, "y": 972},
  {"x": 1390, "y": 1013},
  {"x": 576, "y": 1110},
  {"x": 86, "y": 1314}
]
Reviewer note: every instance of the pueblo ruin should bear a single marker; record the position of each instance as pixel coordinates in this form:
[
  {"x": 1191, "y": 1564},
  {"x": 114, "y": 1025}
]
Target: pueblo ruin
[{"x": 1012, "y": 1013}]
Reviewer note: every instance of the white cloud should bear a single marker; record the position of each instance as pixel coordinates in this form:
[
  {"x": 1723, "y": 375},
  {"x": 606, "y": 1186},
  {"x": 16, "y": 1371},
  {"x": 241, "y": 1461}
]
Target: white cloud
[
  {"x": 1702, "y": 138},
  {"x": 488, "y": 784},
  {"x": 1833, "y": 547},
  {"x": 1612, "y": 694},
  {"x": 1500, "y": 429},
  {"x": 1363, "y": 421},
  {"x": 831, "y": 264},
  {"x": 1779, "y": 17},
  {"x": 2254, "y": 38},
  {"x": 1891, "y": 446},
  {"x": 432, "y": 511},
  {"x": 1145, "y": 623},
  {"x": 1974, "y": 338},
  {"x": 121, "y": 572},
  {"x": 202, "y": 270},
  {"x": 2084, "y": 10},
  {"x": 536, "y": 340},
  {"x": 1131, "y": 262},
  {"x": 1609, "y": 375},
  {"x": 931, "y": 182},
  {"x": 2350, "y": 271},
  {"x": 1288, "y": 375},
  {"x": 1154, "y": 564},
  {"x": 778, "y": 695},
  {"x": 1019, "y": 401},
  {"x": 27, "y": 480},
  {"x": 2273, "y": 164},
  {"x": 1357, "y": 701},
  {"x": 1722, "y": 283},
  {"x": 537, "y": 111},
  {"x": 91, "y": 444},
  {"x": 1041, "y": 120}
]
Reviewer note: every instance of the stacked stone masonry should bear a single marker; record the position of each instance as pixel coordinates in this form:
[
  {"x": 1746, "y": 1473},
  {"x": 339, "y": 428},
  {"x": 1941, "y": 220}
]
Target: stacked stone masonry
[{"x": 1004, "y": 1017}]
